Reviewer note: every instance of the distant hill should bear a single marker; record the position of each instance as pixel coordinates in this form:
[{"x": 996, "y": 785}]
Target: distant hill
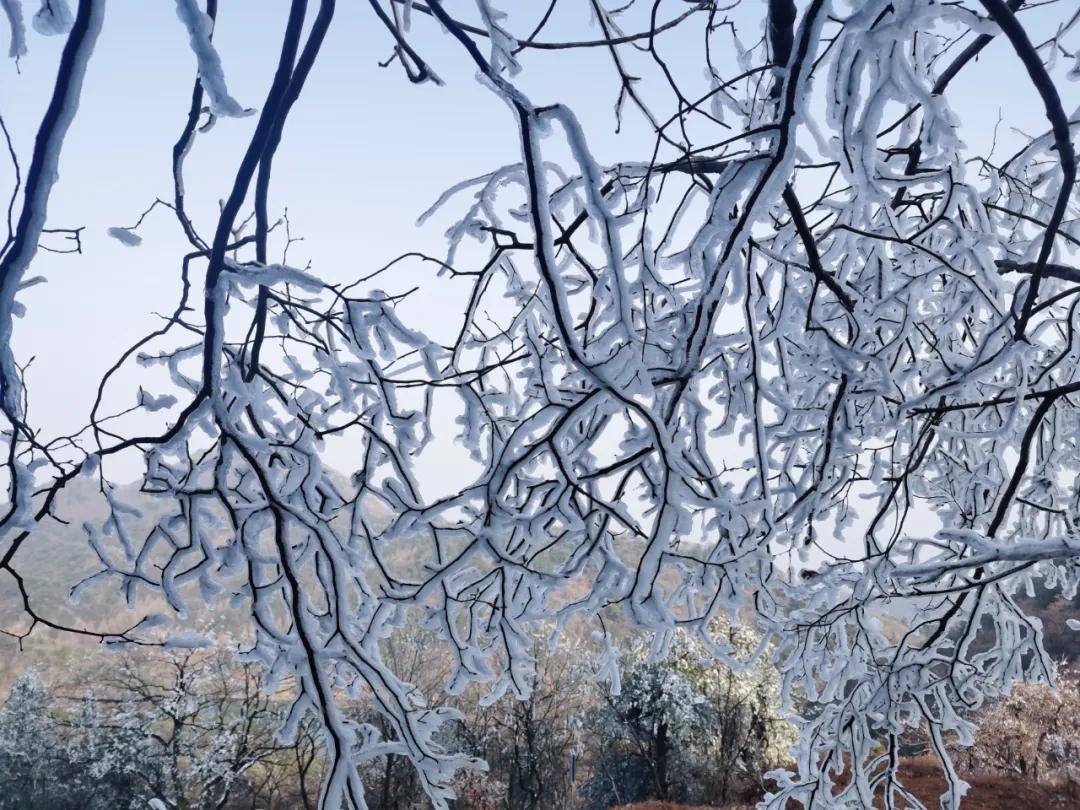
[
  {"x": 53, "y": 560},
  {"x": 57, "y": 556},
  {"x": 1061, "y": 642}
]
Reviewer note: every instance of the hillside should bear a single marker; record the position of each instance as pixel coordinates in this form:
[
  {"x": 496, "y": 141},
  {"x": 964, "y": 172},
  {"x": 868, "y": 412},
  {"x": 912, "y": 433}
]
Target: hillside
[{"x": 57, "y": 557}]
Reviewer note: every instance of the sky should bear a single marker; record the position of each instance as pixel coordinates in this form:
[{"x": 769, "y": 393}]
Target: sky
[{"x": 365, "y": 152}]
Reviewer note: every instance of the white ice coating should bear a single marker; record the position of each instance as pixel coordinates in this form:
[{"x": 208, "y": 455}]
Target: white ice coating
[
  {"x": 125, "y": 236},
  {"x": 200, "y": 28},
  {"x": 54, "y": 18},
  {"x": 42, "y": 176},
  {"x": 16, "y": 27}
]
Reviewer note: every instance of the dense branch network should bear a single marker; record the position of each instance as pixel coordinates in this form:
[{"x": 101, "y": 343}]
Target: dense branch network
[{"x": 741, "y": 378}]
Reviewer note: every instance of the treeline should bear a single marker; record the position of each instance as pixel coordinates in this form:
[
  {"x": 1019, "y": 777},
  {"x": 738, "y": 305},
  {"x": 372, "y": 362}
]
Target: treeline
[{"x": 191, "y": 730}]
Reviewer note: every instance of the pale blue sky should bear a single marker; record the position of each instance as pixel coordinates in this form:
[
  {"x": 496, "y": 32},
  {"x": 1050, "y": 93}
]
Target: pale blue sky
[{"x": 365, "y": 152}]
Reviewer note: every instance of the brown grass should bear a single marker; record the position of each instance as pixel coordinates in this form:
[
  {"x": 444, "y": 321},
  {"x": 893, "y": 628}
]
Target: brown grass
[{"x": 922, "y": 775}]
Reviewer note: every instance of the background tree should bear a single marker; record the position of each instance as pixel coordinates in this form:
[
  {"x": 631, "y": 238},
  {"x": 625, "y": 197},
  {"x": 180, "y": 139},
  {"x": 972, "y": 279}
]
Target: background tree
[
  {"x": 1033, "y": 734},
  {"x": 687, "y": 730},
  {"x": 537, "y": 746},
  {"x": 30, "y": 748},
  {"x": 187, "y": 729},
  {"x": 194, "y": 728}
]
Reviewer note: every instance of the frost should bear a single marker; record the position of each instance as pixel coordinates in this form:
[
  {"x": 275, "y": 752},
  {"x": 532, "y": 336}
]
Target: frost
[
  {"x": 153, "y": 620},
  {"x": 14, "y": 11},
  {"x": 125, "y": 236},
  {"x": 53, "y": 18},
  {"x": 188, "y": 640},
  {"x": 155, "y": 403},
  {"x": 200, "y": 27}
]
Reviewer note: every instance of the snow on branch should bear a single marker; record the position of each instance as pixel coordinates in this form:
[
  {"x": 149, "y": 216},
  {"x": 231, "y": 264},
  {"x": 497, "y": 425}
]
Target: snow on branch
[{"x": 200, "y": 30}]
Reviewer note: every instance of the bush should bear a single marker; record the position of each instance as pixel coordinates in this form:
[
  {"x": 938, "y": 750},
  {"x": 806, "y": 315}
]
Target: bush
[
  {"x": 688, "y": 729},
  {"x": 1034, "y": 733}
]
